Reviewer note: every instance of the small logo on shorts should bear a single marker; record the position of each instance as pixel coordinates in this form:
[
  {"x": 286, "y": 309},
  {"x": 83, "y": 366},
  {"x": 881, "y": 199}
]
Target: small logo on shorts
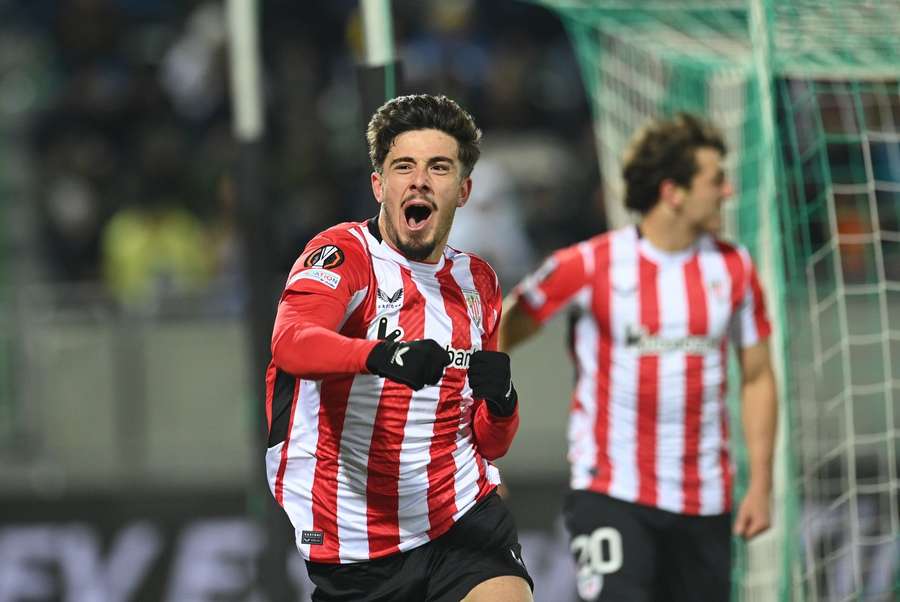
[
  {"x": 516, "y": 552},
  {"x": 313, "y": 538},
  {"x": 589, "y": 585}
]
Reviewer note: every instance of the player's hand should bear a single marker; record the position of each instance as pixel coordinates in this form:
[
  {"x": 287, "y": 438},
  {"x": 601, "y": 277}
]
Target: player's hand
[
  {"x": 414, "y": 363},
  {"x": 753, "y": 514},
  {"x": 489, "y": 377}
]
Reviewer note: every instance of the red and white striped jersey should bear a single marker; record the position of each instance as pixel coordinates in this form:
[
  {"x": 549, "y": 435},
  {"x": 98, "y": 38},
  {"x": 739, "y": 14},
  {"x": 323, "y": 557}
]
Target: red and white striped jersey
[
  {"x": 366, "y": 467},
  {"x": 648, "y": 421}
]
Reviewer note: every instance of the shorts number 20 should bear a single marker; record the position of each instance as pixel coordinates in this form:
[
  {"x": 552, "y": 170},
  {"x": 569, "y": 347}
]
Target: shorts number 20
[{"x": 592, "y": 554}]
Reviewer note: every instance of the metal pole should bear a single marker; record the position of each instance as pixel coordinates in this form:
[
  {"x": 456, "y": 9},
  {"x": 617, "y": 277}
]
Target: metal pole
[{"x": 379, "y": 76}]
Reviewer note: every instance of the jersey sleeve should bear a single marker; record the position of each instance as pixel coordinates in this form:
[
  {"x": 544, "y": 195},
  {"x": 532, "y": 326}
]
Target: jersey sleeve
[
  {"x": 333, "y": 265},
  {"x": 328, "y": 279},
  {"x": 553, "y": 285},
  {"x": 750, "y": 323}
]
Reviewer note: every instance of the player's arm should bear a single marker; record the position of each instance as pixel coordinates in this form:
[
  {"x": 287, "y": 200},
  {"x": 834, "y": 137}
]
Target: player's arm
[
  {"x": 542, "y": 294},
  {"x": 306, "y": 342},
  {"x": 759, "y": 405},
  {"x": 516, "y": 325},
  {"x": 496, "y": 418},
  {"x": 759, "y": 416}
]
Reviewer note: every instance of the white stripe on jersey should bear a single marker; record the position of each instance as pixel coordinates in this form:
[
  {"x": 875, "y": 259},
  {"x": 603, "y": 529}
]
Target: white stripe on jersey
[
  {"x": 671, "y": 390},
  {"x": 417, "y": 433},
  {"x": 581, "y": 434},
  {"x": 352, "y": 471},
  {"x": 624, "y": 313},
  {"x": 301, "y": 465}
]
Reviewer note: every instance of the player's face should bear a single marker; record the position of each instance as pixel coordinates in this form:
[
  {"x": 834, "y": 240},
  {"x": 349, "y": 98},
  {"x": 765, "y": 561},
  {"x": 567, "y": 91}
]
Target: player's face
[
  {"x": 419, "y": 189},
  {"x": 709, "y": 189}
]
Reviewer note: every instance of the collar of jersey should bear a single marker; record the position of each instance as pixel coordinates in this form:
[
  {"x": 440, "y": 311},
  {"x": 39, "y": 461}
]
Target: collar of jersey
[
  {"x": 661, "y": 257},
  {"x": 379, "y": 248}
]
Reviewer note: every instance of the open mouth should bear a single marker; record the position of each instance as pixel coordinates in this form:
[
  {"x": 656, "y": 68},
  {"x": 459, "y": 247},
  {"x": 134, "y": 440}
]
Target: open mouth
[{"x": 417, "y": 215}]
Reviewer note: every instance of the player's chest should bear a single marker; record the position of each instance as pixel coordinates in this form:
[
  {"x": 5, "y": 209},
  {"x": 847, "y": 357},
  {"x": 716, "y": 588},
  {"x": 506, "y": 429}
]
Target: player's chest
[
  {"x": 413, "y": 305},
  {"x": 661, "y": 307}
]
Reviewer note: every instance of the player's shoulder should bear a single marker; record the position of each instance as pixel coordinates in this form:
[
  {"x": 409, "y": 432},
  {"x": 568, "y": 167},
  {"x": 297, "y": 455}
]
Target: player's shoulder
[
  {"x": 346, "y": 236},
  {"x": 338, "y": 247},
  {"x": 584, "y": 250},
  {"x": 476, "y": 261},
  {"x": 727, "y": 248},
  {"x": 483, "y": 273},
  {"x": 345, "y": 232}
]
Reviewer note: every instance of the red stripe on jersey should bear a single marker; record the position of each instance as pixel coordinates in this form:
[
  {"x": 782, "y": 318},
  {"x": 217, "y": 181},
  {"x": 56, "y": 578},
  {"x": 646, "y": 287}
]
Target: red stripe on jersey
[
  {"x": 693, "y": 395},
  {"x": 382, "y": 495},
  {"x": 602, "y": 312},
  {"x": 441, "y": 467},
  {"x": 724, "y": 458},
  {"x": 282, "y": 465},
  {"x": 324, "y": 486},
  {"x": 763, "y": 328},
  {"x": 648, "y": 387}
]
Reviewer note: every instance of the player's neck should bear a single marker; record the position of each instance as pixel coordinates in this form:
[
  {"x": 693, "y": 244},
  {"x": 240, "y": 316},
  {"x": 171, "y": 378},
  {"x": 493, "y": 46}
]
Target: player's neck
[{"x": 666, "y": 232}]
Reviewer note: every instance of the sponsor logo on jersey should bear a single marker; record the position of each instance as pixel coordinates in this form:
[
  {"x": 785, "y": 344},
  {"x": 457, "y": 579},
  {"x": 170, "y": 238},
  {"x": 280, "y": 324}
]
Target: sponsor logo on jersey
[
  {"x": 386, "y": 301},
  {"x": 312, "y": 538},
  {"x": 326, "y": 277},
  {"x": 459, "y": 358},
  {"x": 639, "y": 338},
  {"x": 328, "y": 257},
  {"x": 473, "y": 305}
]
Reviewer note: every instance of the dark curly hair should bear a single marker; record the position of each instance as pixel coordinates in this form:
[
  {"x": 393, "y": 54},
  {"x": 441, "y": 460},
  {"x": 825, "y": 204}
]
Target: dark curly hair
[
  {"x": 423, "y": 112},
  {"x": 665, "y": 150}
]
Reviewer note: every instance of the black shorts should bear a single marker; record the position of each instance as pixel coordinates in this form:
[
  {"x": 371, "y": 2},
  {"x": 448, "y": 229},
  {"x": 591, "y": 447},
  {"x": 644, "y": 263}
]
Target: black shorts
[
  {"x": 481, "y": 546},
  {"x": 627, "y": 551}
]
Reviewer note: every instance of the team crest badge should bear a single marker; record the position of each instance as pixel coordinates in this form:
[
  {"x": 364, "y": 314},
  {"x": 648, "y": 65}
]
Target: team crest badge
[{"x": 473, "y": 305}]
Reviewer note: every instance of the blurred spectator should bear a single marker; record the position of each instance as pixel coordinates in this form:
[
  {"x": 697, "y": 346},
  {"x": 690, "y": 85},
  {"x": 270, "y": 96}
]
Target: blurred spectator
[
  {"x": 193, "y": 72},
  {"x": 137, "y": 135},
  {"x": 154, "y": 251},
  {"x": 157, "y": 248},
  {"x": 492, "y": 225}
]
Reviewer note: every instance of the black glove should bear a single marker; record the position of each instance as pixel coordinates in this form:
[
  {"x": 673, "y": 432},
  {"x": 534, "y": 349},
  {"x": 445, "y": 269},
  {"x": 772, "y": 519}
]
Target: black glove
[
  {"x": 414, "y": 363},
  {"x": 490, "y": 380}
]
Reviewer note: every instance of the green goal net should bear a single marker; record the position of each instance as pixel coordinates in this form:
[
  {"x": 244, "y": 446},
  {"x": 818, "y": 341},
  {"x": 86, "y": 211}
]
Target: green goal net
[{"x": 807, "y": 93}]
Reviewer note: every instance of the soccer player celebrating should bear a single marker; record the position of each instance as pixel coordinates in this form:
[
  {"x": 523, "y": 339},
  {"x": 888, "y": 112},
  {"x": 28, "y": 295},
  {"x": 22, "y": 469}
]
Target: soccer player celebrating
[
  {"x": 386, "y": 397},
  {"x": 654, "y": 308}
]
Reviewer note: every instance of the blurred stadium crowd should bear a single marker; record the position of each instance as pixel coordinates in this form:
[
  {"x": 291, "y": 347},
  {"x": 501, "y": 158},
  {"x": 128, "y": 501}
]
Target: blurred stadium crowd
[{"x": 119, "y": 148}]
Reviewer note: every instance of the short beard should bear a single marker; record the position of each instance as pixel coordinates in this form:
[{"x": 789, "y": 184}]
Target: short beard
[{"x": 416, "y": 252}]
